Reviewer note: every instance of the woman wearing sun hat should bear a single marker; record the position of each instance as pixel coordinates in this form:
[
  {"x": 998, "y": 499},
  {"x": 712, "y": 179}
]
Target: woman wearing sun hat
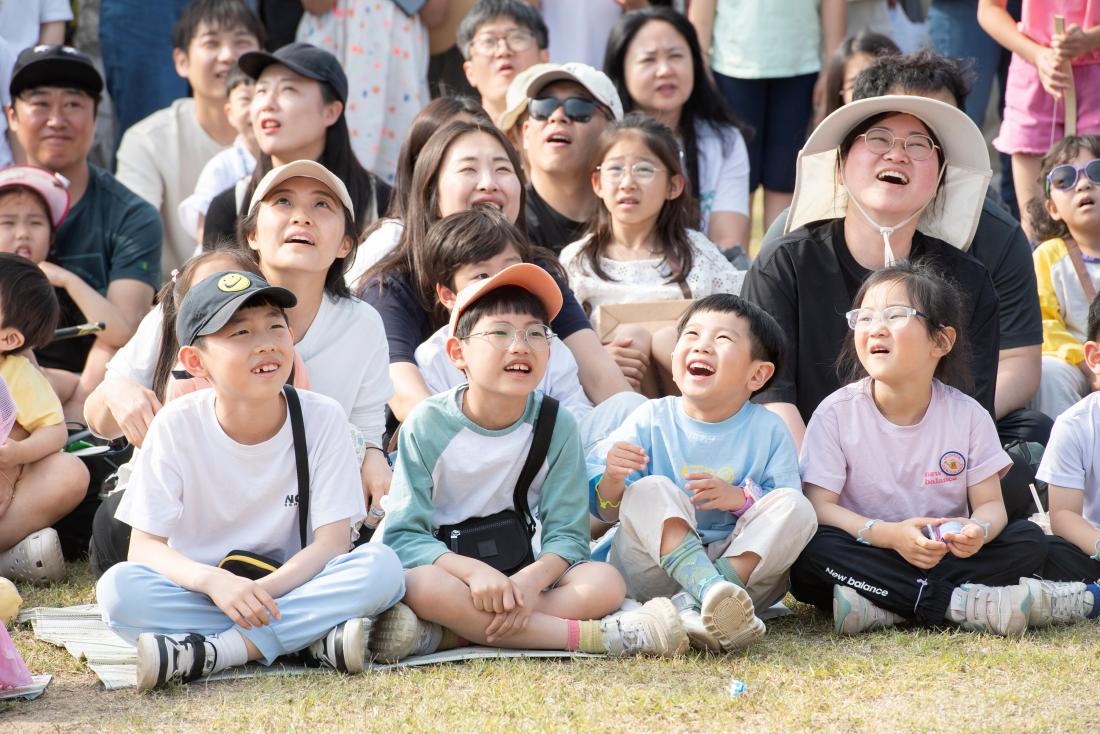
[{"x": 881, "y": 179}]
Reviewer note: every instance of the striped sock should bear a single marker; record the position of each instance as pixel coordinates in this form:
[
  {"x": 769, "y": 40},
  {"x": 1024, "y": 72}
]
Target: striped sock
[{"x": 689, "y": 566}]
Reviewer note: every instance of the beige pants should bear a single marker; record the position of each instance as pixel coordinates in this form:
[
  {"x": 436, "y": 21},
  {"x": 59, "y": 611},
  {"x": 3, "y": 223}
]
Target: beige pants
[{"x": 776, "y": 528}]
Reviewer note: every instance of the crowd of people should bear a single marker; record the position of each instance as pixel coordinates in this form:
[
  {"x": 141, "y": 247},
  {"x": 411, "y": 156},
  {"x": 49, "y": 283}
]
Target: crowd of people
[{"x": 439, "y": 322}]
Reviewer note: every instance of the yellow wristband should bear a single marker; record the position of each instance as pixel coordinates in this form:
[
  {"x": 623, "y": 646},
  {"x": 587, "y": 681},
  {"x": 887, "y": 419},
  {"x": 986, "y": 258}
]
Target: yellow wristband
[{"x": 604, "y": 504}]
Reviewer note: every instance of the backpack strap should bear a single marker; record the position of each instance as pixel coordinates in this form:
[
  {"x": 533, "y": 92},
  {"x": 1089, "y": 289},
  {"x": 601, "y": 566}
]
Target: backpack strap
[
  {"x": 540, "y": 446},
  {"x": 1078, "y": 261},
  {"x": 301, "y": 458}
]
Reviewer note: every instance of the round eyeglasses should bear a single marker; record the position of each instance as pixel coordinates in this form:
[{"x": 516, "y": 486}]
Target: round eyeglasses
[
  {"x": 880, "y": 141},
  {"x": 640, "y": 173},
  {"x": 516, "y": 40},
  {"x": 503, "y": 336},
  {"x": 894, "y": 317}
]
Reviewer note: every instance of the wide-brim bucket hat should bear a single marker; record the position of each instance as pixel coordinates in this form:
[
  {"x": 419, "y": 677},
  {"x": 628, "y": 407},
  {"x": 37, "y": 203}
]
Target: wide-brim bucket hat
[{"x": 953, "y": 214}]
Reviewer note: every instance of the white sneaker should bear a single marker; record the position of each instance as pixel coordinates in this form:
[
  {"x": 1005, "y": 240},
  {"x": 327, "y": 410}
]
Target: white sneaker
[
  {"x": 398, "y": 633},
  {"x": 853, "y": 613},
  {"x": 654, "y": 629},
  {"x": 687, "y": 606},
  {"x": 1002, "y": 610},
  {"x": 162, "y": 659},
  {"x": 36, "y": 559},
  {"x": 729, "y": 616},
  {"x": 344, "y": 648},
  {"x": 1057, "y": 601}
]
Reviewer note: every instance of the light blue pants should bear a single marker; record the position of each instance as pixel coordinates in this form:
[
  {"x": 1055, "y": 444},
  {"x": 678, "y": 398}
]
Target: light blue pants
[{"x": 134, "y": 598}]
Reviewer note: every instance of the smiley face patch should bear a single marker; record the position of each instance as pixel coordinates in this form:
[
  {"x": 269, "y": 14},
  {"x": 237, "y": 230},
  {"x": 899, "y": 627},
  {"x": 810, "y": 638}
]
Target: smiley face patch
[{"x": 233, "y": 283}]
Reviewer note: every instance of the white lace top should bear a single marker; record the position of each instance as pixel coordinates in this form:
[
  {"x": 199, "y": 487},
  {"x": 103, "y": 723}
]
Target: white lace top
[{"x": 637, "y": 281}]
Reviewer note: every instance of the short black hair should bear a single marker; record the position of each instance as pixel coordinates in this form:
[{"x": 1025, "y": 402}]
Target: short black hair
[
  {"x": 767, "y": 341},
  {"x": 1093, "y": 328},
  {"x": 486, "y": 10},
  {"x": 27, "y": 301},
  {"x": 506, "y": 299},
  {"x": 920, "y": 73},
  {"x": 223, "y": 14},
  {"x": 235, "y": 77},
  {"x": 257, "y": 301}
]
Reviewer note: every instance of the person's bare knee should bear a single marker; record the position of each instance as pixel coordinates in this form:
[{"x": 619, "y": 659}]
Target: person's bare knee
[{"x": 673, "y": 532}]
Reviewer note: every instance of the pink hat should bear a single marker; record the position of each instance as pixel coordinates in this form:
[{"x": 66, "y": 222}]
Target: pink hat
[{"x": 52, "y": 187}]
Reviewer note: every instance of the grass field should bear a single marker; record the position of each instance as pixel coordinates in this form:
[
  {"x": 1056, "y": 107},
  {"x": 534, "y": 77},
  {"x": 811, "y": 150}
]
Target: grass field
[{"x": 800, "y": 678}]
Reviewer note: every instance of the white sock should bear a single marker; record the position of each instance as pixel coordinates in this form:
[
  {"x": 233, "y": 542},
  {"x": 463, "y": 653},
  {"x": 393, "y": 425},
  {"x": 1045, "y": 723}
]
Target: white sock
[{"x": 229, "y": 649}]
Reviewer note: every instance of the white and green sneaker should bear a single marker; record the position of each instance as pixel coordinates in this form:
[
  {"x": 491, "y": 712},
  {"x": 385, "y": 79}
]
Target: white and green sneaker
[
  {"x": 1001, "y": 610},
  {"x": 1057, "y": 601},
  {"x": 398, "y": 633},
  {"x": 854, "y": 613},
  {"x": 653, "y": 629}
]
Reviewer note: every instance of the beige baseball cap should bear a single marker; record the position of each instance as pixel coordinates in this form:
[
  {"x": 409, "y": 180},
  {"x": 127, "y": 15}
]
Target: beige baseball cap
[
  {"x": 530, "y": 82},
  {"x": 302, "y": 169},
  {"x": 530, "y": 277}
]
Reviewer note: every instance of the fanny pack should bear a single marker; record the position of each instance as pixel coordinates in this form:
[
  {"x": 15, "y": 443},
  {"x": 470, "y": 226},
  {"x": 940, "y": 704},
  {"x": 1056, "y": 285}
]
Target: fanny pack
[
  {"x": 255, "y": 565},
  {"x": 503, "y": 539}
]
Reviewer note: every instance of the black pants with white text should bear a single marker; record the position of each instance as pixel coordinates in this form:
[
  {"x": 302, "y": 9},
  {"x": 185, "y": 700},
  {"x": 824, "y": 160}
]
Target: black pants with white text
[{"x": 883, "y": 576}]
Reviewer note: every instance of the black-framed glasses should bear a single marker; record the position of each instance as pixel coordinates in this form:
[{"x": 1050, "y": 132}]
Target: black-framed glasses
[
  {"x": 640, "y": 173},
  {"x": 894, "y": 317},
  {"x": 1065, "y": 176},
  {"x": 880, "y": 141},
  {"x": 517, "y": 40},
  {"x": 503, "y": 336},
  {"x": 577, "y": 109}
]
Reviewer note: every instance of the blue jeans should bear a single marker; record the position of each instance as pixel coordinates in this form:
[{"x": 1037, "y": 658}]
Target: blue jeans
[
  {"x": 135, "y": 37},
  {"x": 954, "y": 30},
  {"x": 363, "y": 583}
]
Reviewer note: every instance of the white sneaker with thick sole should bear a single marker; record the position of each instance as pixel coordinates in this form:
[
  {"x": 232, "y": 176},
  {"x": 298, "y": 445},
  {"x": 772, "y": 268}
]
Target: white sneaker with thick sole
[
  {"x": 1002, "y": 610},
  {"x": 162, "y": 659},
  {"x": 1057, "y": 601},
  {"x": 687, "y": 606},
  {"x": 36, "y": 559},
  {"x": 344, "y": 648},
  {"x": 728, "y": 615},
  {"x": 398, "y": 633},
  {"x": 853, "y": 613},
  {"x": 654, "y": 629}
]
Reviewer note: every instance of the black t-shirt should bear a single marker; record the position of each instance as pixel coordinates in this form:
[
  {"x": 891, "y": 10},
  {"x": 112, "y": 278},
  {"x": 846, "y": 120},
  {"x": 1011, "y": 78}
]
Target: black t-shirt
[
  {"x": 546, "y": 227},
  {"x": 807, "y": 281},
  {"x": 407, "y": 326}
]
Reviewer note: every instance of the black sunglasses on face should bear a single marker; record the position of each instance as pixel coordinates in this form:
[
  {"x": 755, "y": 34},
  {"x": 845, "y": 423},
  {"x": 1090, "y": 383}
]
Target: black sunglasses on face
[{"x": 577, "y": 109}]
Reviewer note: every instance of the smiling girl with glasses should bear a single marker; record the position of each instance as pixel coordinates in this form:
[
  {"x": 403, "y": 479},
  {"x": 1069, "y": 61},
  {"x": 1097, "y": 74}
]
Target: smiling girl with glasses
[{"x": 640, "y": 245}]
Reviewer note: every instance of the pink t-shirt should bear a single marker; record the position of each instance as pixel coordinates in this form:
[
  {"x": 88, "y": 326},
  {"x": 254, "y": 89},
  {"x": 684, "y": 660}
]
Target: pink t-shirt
[
  {"x": 1037, "y": 21},
  {"x": 893, "y": 472}
]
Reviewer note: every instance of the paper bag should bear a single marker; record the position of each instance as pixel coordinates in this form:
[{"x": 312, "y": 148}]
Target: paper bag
[{"x": 650, "y": 315}]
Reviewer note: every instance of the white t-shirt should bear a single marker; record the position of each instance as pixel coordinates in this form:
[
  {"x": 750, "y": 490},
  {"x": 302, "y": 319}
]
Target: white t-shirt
[
  {"x": 345, "y": 351},
  {"x": 1070, "y": 459},
  {"x": 765, "y": 40},
  {"x": 208, "y": 494},
  {"x": 378, "y": 244},
  {"x": 560, "y": 382},
  {"x": 222, "y": 171},
  {"x": 891, "y": 472},
  {"x": 723, "y": 172},
  {"x": 638, "y": 281},
  {"x": 21, "y": 22},
  {"x": 160, "y": 159},
  {"x": 584, "y": 42}
]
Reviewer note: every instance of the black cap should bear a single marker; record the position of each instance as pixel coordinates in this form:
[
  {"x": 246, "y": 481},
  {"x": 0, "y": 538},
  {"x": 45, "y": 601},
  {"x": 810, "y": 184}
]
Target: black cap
[
  {"x": 211, "y": 302},
  {"x": 54, "y": 66},
  {"x": 301, "y": 58}
]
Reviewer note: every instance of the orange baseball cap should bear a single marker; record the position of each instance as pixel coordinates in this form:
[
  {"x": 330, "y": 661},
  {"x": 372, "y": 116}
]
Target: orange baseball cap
[{"x": 527, "y": 276}]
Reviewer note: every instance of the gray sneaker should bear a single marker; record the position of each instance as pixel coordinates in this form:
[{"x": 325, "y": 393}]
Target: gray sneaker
[
  {"x": 1002, "y": 610},
  {"x": 1057, "y": 601},
  {"x": 728, "y": 615},
  {"x": 398, "y": 633},
  {"x": 853, "y": 613},
  {"x": 654, "y": 629}
]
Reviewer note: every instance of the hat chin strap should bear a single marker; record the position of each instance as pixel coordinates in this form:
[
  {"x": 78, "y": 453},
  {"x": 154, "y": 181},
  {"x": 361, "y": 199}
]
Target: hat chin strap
[{"x": 888, "y": 253}]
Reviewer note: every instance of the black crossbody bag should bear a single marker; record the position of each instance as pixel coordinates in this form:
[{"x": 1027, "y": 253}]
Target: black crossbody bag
[
  {"x": 255, "y": 565},
  {"x": 503, "y": 539}
]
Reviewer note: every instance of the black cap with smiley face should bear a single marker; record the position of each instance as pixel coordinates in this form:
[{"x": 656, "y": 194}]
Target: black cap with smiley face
[{"x": 211, "y": 302}]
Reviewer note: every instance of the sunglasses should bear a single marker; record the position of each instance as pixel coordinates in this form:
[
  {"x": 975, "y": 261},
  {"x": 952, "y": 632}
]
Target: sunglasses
[
  {"x": 1065, "y": 176},
  {"x": 577, "y": 109}
]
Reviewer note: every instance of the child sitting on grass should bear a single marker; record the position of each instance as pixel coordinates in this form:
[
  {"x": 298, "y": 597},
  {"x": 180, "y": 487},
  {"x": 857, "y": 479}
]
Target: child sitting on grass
[
  {"x": 460, "y": 455},
  {"x": 217, "y": 472},
  {"x": 706, "y": 485},
  {"x": 1069, "y": 467},
  {"x": 39, "y": 484}
]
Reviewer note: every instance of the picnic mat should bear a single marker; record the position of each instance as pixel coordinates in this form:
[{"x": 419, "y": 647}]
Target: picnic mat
[{"x": 81, "y": 631}]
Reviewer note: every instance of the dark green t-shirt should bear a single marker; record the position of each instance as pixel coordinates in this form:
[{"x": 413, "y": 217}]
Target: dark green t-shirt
[{"x": 111, "y": 234}]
